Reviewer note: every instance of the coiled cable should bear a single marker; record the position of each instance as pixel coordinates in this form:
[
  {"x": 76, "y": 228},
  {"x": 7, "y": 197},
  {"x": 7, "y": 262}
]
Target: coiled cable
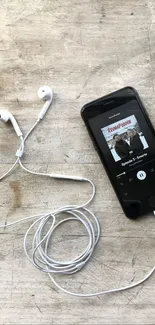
[{"x": 44, "y": 226}]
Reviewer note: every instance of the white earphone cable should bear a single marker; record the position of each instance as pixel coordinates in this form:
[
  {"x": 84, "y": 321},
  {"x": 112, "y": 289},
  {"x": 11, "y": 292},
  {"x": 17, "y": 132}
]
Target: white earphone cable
[
  {"x": 11, "y": 168},
  {"x": 44, "y": 226}
]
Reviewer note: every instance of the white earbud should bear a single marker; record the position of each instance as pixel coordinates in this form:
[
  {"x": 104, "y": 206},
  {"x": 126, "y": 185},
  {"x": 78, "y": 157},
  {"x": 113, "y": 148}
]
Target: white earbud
[
  {"x": 46, "y": 94},
  {"x": 6, "y": 116}
]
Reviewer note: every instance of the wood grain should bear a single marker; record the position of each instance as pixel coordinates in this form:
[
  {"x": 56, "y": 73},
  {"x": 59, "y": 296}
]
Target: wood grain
[{"x": 83, "y": 50}]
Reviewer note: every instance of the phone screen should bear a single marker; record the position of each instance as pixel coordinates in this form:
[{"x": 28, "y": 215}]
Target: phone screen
[
  {"x": 124, "y": 137},
  {"x": 127, "y": 144}
]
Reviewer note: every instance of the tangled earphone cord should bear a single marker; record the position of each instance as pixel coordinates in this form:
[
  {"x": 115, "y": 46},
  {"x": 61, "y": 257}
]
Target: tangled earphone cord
[{"x": 45, "y": 224}]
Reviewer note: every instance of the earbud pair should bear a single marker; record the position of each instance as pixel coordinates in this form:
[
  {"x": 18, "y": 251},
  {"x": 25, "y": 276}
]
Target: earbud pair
[{"x": 44, "y": 93}]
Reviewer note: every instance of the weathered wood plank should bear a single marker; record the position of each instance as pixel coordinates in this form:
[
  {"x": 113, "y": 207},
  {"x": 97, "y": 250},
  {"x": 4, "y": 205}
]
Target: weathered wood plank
[{"x": 84, "y": 50}]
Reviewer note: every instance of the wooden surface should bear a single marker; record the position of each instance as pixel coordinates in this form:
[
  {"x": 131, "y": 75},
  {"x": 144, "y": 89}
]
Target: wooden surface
[{"x": 83, "y": 50}]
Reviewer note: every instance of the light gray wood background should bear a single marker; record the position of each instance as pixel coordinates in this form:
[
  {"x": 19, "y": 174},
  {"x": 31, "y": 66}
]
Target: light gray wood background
[{"x": 83, "y": 50}]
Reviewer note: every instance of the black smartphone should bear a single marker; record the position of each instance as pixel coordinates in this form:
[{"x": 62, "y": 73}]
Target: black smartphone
[{"x": 124, "y": 138}]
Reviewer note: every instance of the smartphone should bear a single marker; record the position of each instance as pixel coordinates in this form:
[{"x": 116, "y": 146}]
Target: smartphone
[{"x": 124, "y": 138}]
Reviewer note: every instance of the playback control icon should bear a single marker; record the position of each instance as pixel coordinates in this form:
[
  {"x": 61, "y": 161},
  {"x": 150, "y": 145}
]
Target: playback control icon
[{"x": 141, "y": 175}]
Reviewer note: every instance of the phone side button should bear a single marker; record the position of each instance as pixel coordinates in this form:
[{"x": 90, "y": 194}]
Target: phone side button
[{"x": 152, "y": 201}]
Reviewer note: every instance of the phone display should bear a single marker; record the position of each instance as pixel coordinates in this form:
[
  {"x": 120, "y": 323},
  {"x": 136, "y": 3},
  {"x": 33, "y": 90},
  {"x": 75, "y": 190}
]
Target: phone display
[{"x": 125, "y": 140}]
